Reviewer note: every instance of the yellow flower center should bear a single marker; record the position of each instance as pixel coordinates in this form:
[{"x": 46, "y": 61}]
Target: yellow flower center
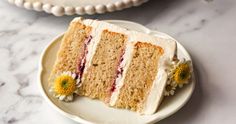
[
  {"x": 182, "y": 73},
  {"x": 64, "y": 85},
  {"x": 168, "y": 88}
]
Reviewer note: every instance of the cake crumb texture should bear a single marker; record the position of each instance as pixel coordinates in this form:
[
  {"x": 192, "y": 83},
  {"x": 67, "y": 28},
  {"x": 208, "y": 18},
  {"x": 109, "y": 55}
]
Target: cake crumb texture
[
  {"x": 140, "y": 76},
  {"x": 97, "y": 81}
]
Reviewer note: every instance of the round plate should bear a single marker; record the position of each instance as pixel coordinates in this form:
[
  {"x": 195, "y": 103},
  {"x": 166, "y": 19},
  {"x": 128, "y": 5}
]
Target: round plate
[
  {"x": 80, "y": 7},
  {"x": 85, "y": 110}
]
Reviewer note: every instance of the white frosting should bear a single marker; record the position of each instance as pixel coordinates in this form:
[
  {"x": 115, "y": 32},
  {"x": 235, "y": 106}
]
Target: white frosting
[{"x": 166, "y": 43}]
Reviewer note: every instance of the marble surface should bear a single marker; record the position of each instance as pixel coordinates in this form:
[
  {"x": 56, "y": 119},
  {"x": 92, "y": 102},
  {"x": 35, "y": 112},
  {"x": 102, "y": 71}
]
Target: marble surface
[{"x": 207, "y": 28}]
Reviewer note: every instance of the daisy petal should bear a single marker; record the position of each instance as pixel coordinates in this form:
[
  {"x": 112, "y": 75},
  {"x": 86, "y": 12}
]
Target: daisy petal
[
  {"x": 73, "y": 75},
  {"x": 69, "y": 98},
  {"x": 62, "y": 97}
]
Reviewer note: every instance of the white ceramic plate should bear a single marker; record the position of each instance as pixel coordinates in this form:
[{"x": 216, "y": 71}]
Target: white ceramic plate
[
  {"x": 80, "y": 7},
  {"x": 85, "y": 110}
]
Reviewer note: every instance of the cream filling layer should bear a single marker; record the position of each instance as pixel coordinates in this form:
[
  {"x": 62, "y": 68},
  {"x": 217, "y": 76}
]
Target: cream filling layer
[{"x": 120, "y": 79}]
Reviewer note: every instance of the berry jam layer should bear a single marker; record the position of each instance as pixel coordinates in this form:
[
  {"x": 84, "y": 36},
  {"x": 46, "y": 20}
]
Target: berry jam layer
[
  {"x": 82, "y": 59},
  {"x": 119, "y": 73}
]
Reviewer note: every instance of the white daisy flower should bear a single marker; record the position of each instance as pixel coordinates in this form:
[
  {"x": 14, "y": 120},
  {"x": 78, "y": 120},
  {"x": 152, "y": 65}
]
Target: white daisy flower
[
  {"x": 179, "y": 73},
  {"x": 170, "y": 89},
  {"x": 65, "y": 85}
]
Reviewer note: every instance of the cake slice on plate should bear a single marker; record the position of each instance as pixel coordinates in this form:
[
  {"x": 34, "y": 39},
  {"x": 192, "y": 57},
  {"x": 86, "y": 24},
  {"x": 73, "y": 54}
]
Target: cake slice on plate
[{"x": 123, "y": 68}]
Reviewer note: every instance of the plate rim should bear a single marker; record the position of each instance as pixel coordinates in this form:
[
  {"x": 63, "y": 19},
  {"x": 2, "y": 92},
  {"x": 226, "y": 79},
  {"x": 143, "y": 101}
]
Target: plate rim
[
  {"x": 81, "y": 120},
  {"x": 58, "y": 10}
]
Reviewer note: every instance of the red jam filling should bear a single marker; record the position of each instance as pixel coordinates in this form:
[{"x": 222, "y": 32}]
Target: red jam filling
[
  {"x": 81, "y": 64},
  {"x": 119, "y": 71}
]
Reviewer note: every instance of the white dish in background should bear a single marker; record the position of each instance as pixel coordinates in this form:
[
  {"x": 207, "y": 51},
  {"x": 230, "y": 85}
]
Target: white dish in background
[
  {"x": 85, "y": 110},
  {"x": 79, "y": 7}
]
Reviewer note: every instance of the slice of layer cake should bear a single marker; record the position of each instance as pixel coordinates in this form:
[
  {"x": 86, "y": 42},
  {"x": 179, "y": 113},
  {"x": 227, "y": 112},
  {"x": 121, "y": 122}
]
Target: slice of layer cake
[{"x": 123, "y": 68}]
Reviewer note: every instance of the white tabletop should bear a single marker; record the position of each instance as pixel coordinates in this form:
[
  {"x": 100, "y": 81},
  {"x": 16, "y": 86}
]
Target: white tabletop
[{"x": 207, "y": 29}]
